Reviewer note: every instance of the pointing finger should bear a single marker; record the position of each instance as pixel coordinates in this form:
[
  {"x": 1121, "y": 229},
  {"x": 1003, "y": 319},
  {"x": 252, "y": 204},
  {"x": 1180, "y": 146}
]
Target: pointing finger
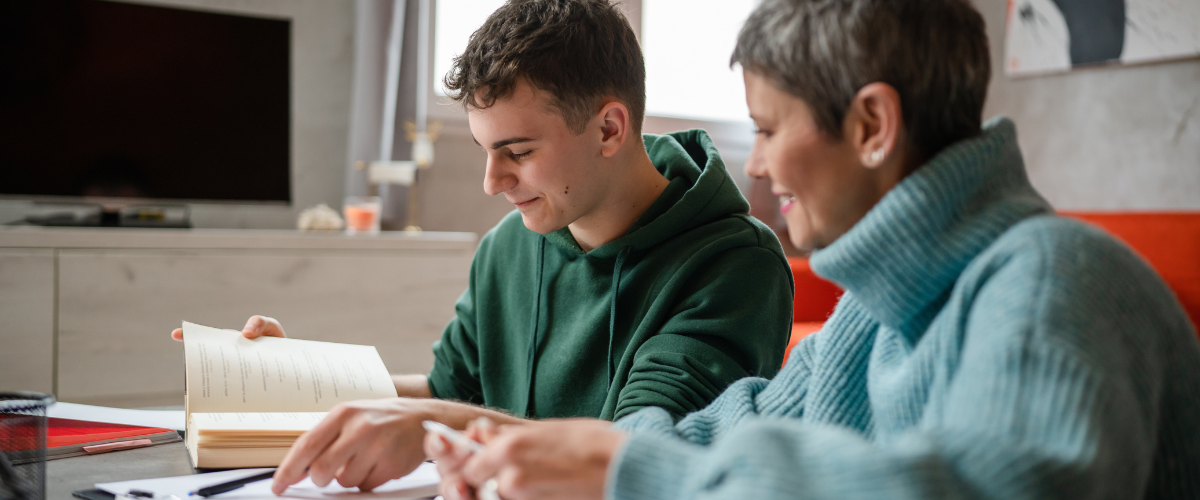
[{"x": 294, "y": 466}]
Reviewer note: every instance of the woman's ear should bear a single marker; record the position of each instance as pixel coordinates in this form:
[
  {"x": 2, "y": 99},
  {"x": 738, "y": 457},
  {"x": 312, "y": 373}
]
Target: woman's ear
[
  {"x": 875, "y": 123},
  {"x": 614, "y": 127}
]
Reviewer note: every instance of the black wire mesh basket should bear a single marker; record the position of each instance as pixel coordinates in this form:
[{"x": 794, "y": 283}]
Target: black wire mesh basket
[{"x": 23, "y": 445}]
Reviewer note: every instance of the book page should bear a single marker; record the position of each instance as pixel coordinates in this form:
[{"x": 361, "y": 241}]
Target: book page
[
  {"x": 262, "y": 423},
  {"x": 229, "y": 373}
]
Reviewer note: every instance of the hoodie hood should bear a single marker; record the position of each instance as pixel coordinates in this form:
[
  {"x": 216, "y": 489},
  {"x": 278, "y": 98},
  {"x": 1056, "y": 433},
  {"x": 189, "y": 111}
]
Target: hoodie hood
[{"x": 700, "y": 191}]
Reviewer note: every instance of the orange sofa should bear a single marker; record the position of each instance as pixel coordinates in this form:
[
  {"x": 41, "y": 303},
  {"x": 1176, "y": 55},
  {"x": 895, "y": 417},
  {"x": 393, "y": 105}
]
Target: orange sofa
[{"x": 1169, "y": 241}]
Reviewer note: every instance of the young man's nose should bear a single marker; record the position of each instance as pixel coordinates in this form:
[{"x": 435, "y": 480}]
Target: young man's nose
[{"x": 497, "y": 179}]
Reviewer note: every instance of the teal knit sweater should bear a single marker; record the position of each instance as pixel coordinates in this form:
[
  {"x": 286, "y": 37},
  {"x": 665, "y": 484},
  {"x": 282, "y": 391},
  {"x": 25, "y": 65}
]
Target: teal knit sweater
[{"x": 984, "y": 348}]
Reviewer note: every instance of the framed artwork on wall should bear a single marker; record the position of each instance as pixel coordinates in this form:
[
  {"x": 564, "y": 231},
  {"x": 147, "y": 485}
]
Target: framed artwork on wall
[{"x": 1054, "y": 36}]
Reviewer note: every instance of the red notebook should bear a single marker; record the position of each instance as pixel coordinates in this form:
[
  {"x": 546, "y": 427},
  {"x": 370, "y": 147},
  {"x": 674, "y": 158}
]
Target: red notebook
[{"x": 69, "y": 438}]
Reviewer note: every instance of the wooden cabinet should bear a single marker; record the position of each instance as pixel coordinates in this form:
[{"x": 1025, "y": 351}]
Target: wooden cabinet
[
  {"x": 108, "y": 299},
  {"x": 26, "y": 319}
]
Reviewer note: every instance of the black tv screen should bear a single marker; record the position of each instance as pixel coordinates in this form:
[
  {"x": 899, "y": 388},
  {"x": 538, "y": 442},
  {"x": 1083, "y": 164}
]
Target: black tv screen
[{"x": 106, "y": 99}]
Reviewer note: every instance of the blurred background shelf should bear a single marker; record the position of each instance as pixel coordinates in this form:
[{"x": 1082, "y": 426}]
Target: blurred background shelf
[{"x": 87, "y": 312}]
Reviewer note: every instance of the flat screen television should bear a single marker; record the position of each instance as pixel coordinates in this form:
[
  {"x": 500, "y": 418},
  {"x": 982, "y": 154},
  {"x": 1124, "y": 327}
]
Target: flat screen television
[{"x": 107, "y": 100}]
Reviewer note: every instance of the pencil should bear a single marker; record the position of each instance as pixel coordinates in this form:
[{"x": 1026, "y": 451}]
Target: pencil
[{"x": 216, "y": 489}]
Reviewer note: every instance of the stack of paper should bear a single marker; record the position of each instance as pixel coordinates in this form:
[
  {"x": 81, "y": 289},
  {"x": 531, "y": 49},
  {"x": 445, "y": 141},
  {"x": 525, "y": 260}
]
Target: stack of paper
[{"x": 422, "y": 483}]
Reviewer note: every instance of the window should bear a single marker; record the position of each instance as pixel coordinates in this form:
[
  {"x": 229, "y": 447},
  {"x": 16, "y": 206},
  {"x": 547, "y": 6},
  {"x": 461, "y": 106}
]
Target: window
[
  {"x": 452, "y": 30},
  {"x": 686, "y": 44}
]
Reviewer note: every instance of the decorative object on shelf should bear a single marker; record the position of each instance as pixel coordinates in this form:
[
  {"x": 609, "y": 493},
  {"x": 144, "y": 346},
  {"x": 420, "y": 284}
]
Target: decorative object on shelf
[
  {"x": 362, "y": 214},
  {"x": 319, "y": 218}
]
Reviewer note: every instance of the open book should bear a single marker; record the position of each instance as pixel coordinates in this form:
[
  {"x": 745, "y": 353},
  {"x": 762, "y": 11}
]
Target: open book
[{"x": 247, "y": 401}]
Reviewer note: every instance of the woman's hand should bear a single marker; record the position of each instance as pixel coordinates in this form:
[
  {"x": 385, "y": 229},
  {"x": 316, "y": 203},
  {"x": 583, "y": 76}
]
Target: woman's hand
[
  {"x": 451, "y": 458},
  {"x": 534, "y": 461}
]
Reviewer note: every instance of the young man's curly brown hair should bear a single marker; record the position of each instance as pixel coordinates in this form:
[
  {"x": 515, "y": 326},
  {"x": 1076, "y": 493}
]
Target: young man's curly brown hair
[{"x": 578, "y": 51}]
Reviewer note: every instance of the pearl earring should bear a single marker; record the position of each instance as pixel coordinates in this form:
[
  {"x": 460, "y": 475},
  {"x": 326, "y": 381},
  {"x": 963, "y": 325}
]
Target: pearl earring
[{"x": 877, "y": 156}]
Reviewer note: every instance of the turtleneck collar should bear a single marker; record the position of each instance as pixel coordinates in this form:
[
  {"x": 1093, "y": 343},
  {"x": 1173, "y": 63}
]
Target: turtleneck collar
[{"x": 902, "y": 258}]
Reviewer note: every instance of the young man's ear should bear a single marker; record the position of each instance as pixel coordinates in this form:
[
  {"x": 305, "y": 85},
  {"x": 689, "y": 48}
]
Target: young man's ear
[
  {"x": 875, "y": 123},
  {"x": 614, "y": 127}
]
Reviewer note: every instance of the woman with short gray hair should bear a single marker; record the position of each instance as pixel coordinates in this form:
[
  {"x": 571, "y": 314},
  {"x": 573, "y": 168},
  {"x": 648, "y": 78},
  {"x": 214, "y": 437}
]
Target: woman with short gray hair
[{"x": 984, "y": 348}]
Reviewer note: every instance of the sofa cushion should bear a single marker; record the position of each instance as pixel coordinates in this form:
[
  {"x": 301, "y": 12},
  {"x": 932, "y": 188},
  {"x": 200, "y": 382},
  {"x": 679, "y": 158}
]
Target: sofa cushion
[
  {"x": 815, "y": 298},
  {"x": 799, "y": 331}
]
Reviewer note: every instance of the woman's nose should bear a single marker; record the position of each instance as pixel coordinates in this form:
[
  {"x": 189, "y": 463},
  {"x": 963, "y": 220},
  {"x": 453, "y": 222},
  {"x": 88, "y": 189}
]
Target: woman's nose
[{"x": 755, "y": 167}]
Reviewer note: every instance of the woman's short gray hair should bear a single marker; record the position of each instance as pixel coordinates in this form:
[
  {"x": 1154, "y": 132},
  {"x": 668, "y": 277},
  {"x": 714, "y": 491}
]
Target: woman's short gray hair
[{"x": 933, "y": 52}]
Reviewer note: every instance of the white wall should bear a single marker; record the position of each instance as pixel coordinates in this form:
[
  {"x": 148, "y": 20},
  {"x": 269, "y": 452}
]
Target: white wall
[
  {"x": 322, "y": 70},
  {"x": 1107, "y": 138}
]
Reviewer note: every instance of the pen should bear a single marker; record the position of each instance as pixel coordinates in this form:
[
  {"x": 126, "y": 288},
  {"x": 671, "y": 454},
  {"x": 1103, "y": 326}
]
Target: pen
[
  {"x": 489, "y": 490},
  {"x": 455, "y": 437},
  {"x": 215, "y": 489}
]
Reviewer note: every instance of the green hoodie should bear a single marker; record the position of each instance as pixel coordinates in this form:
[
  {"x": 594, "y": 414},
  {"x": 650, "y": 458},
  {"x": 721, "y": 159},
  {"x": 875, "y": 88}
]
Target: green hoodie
[{"x": 695, "y": 296}]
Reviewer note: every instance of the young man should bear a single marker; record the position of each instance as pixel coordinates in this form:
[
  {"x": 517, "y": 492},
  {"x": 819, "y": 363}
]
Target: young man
[{"x": 630, "y": 274}]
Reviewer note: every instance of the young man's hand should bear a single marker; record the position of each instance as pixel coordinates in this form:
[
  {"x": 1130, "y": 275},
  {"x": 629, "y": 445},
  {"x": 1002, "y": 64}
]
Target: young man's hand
[
  {"x": 366, "y": 443},
  {"x": 360, "y": 443},
  {"x": 566, "y": 459},
  {"x": 257, "y": 326}
]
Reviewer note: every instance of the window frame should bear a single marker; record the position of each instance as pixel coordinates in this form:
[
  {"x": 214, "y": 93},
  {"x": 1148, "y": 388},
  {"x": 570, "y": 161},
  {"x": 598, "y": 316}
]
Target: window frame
[{"x": 733, "y": 139}]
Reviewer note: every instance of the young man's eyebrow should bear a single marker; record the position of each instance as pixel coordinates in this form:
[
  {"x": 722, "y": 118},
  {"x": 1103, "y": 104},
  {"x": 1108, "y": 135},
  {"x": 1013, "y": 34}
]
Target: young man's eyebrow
[
  {"x": 514, "y": 140},
  {"x": 501, "y": 143}
]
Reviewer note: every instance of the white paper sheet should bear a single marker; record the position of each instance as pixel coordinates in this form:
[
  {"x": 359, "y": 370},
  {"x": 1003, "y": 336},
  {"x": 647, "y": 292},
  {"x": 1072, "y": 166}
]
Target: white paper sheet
[
  {"x": 422, "y": 483},
  {"x": 166, "y": 419}
]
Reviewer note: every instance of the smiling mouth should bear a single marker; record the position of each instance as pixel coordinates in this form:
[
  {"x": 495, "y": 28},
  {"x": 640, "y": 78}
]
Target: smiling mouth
[
  {"x": 786, "y": 202},
  {"x": 526, "y": 203}
]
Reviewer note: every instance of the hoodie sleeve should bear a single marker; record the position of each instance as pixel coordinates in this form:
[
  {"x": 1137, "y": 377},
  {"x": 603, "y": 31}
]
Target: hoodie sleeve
[
  {"x": 732, "y": 320},
  {"x": 455, "y": 373}
]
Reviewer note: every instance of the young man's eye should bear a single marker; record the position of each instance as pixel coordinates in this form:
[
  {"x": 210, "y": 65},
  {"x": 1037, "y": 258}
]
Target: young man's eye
[
  {"x": 518, "y": 156},
  {"x": 762, "y": 132}
]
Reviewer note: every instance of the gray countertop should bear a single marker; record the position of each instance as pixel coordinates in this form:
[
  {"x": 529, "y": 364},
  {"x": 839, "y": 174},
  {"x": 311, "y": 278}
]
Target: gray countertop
[{"x": 82, "y": 473}]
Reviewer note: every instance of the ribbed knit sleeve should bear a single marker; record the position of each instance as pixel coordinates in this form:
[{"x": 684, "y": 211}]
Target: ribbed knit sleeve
[
  {"x": 1041, "y": 376},
  {"x": 785, "y": 395}
]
